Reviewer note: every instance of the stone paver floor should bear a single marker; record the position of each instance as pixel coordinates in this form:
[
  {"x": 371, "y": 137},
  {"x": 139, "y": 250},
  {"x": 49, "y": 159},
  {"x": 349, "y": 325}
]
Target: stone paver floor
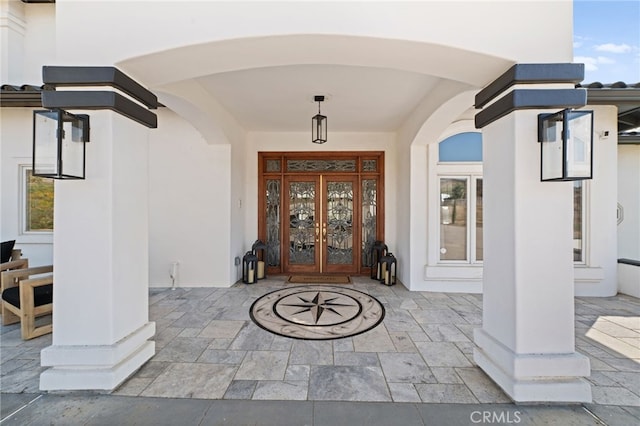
[{"x": 207, "y": 347}]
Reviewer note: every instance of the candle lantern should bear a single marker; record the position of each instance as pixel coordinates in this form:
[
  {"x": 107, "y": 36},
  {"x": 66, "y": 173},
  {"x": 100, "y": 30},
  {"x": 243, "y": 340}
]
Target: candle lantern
[
  {"x": 388, "y": 265},
  {"x": 249, "y": 268},
  {"x": 259, "y": 249},
  {"x": 378, "y": 249}
]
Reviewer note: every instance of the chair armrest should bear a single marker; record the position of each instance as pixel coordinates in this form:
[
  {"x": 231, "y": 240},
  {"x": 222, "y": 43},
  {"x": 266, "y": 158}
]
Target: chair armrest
[
  {"x": 14, "y": 264},
  {"x": 10, "y": 278},
  {"x": 36, "y": 282}
]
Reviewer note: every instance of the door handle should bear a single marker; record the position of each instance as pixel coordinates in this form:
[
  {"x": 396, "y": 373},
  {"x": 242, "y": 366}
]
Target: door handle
[
  {"x": 324, "y": 232},
  {"x": 317, "y": 232}
]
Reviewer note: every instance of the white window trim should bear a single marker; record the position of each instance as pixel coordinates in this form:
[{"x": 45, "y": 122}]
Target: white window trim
[
  {"x": 585, "y": 225},
  {"x": 31, "y": 236}
]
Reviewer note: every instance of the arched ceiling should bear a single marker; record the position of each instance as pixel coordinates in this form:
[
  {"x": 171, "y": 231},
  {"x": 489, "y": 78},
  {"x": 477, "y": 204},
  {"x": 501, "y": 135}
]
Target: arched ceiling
[
  {"x": 357, "y": 99},
  {"x": 268, "y": 83}
]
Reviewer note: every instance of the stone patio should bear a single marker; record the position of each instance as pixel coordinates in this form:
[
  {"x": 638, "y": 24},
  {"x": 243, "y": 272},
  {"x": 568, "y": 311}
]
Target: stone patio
[{"x": 208, "y": 348}]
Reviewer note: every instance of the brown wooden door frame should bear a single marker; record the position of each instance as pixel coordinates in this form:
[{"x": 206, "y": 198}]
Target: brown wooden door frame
[{"x": 279, "y": 173}]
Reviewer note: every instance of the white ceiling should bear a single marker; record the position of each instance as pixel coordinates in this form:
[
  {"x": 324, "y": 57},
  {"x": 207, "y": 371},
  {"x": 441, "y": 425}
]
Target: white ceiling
[{"x": 358, "y": 99}]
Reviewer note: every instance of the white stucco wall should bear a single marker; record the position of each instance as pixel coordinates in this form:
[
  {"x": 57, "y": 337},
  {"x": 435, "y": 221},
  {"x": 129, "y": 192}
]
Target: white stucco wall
[
  {"x": 629, "y": 200},
  {"x": 88, "y": 26},
  {"x": 629, "y": 222},
  {"x": 189, "y": 205},
  {"x": 27, "y": 41}
]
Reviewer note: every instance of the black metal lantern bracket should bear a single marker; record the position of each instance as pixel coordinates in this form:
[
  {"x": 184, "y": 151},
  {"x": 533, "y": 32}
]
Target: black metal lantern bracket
[{"x": 566, "y": 145}]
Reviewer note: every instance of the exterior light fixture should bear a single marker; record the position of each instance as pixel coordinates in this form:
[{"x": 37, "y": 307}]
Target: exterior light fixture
[
  {"x": 566, "y": 145},
  {"x": 319, "y": 124},
  {"x": 59, "y": 140}
]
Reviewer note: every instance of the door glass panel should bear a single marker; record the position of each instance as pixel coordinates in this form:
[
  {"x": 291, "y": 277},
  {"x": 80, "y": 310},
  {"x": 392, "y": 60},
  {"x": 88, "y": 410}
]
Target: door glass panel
[
  {"x": 321, "y": 165},
  {"x": 453, "y": 219},
  {"x": 369, "y": 165},
  {"x": 339, "y": 223},
  {"x": 273, "y": 222},
  {"x": 273, "y": 165},
  {"x": 302, "y": 204},
  {"x": 369, "y": 219}
]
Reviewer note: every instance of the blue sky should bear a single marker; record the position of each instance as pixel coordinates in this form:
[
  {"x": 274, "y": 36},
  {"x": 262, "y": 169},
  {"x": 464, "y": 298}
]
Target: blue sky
[{"x": 606, "y": 38}]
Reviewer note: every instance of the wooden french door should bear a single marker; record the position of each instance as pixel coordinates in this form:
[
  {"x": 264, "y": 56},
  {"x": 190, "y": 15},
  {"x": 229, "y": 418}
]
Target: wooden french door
[
  {"x": 320, "y": 212},
  {"x": 322, "y": 228}
]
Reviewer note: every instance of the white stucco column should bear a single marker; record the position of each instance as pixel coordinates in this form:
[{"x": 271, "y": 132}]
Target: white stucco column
[
  {"x": 100, "y": 320},
  {"x": 526, "y": 343}
]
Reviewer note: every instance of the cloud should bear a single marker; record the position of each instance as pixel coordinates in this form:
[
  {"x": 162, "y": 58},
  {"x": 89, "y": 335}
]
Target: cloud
[
  {"x": 591, "y": 63},
  {"x": 613, "y": 48},
  {"x": 605, "y": 60}
]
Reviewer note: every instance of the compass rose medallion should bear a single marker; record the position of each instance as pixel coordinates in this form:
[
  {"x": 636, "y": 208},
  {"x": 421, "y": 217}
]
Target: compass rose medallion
[{"x": 317, "y": 312}]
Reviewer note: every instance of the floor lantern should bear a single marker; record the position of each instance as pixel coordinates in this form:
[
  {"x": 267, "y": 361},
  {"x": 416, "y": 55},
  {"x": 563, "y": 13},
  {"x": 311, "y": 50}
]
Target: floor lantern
[
  {"x": 259, "y": 249},
  {"x": 249, "y": 268},
  {"x": 378, "y": 249},
  {"x": 389, "y": 265}
]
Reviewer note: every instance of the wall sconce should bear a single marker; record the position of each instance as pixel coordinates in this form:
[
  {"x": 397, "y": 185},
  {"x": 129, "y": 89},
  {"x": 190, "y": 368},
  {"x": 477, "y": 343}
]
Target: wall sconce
[
  {"x": 566, "y": 145},
  {"x": 59, "y": 140},
  {"x": 319, "y": 124}
]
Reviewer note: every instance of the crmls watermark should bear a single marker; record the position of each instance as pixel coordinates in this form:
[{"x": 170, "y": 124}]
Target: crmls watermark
[{"x": 488, "y": 416}]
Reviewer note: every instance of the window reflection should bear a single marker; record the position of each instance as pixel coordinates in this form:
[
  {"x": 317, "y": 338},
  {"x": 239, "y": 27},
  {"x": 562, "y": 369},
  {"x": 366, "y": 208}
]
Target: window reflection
[{"x": 453, "y": 219}]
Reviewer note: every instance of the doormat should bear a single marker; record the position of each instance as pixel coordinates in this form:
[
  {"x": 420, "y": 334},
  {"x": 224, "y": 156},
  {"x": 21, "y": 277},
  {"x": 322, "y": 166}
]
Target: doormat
[
  {"x": 319, "y": 279},
  {"x": 317, "y": 312}
]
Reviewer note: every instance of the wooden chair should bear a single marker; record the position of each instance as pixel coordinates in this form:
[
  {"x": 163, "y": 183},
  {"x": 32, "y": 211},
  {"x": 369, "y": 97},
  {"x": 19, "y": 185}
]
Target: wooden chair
[
  {"x": 26, "y": 295},
  {"x": 15, "y": 262}
]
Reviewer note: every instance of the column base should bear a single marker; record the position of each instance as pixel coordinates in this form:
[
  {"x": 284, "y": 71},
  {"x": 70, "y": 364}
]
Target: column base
[
  {"x": 96, "y": 367},
  {"x": 534, "y": 378}
]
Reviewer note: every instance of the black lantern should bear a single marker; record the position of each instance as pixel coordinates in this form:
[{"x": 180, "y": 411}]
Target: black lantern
[
  {"x": 59, "y": 140},
  {"x": 378, "y": 249},
  {"x": 566, "y": 140},
  {"x": 388, "y": 266},
  {"x": 258, "y": 248},
  {"x": 319, "y": 124},
  {"x": 249, "y": 268}
]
